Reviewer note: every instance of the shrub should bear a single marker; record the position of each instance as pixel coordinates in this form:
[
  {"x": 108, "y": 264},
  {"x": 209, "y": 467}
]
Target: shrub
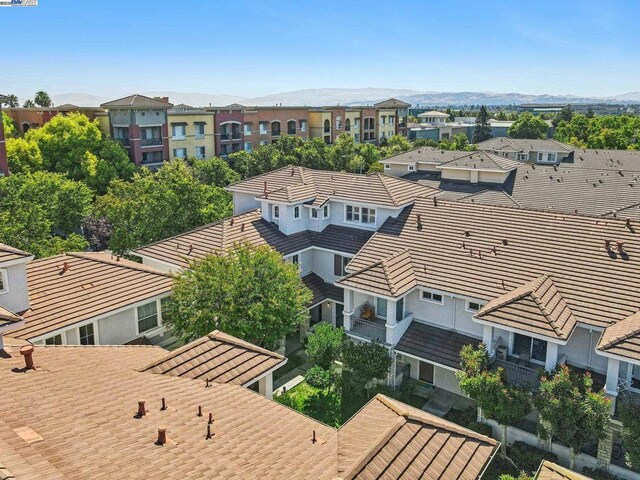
[
  {"x": 481, "y": 428},
  {"x": 462, "y": 417},
  {"x": 599, "y": 474},
  {"x": 527, "y": 457},
  {"x": 318, "y": 377}
]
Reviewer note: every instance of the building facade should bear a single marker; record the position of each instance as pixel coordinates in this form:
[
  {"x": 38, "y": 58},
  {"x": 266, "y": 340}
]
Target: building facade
[
  {"x": 191, "y": 132},
  {"x": 4, "y": 166}
]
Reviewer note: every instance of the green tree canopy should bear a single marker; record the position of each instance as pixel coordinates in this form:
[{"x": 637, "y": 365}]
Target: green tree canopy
[
  {"x": 215, "y": 171},
  {"x": 29, "y": 104},
  {"x": 573, "y": 413},
  {"x": 154, "y": 206},
  {"x": 249, "y": 292},
  {"x": 12, "y": 101},
  {"x": 324, "y": 345},
  {"x": 630, "y": 415},
  {"x": 528, "y": 126},
  {"x": 366, "y": 362},
  {"x": 606, "y": 131},
  {"x": 23, "y": 156},
  {"x": 482, "y": 129},
  {"x": 74, "y": 145},
  {"x": 42, "y": 99},
  {"x": 10, "y": 128},
  {"x": 41, "y": 212}
]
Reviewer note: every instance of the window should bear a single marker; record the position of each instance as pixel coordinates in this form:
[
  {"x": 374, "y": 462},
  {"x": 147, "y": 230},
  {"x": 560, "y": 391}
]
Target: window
[
  {"x": 295, "y": 259},
  {"x": 296, "y": 212},
  {"x": 352, "y": 214},
  {"x": 535, "y": 348},
  {"x": 178, "y": 132},
  {"x": 87, "y": 336},
  {"x": 263, "y": 128},
  {"x": 199, "y": 129},
  {"x": 368, "y": 215},
  {"x": 179, "y": 152},
  {"x": 338, "y": 123},
  {"x": 313, "y": 213},
  {"x": 327, "y": 126},
  {"x": 291, "y": 127},
  {"x": 152, "y": 157},
  {"x": 303, "y": 125},
  {"x": 383, "y": 120},
  {"x": 473, "y": 307},
  {"x": 55, "y": 340},
  {"x": 634, "y": 377},
  {"x": 411, "y": 168},
  {"x": 387, "y": 166},
  {"x": 275, "y": 129},
  {"x": 276, "y": 211},
  {"x": 247, "y": 129},
  {"x": 200, "y": 152},
  {"x": 523, "y": 156},
  {"x": 381, "y": 307},
  {"x": 4, "y": 283},
  {"x": 340, "y": 265},
  {"x": 399, "y": 309},
  {"x": 546, "y": 157},
  {"x": 360, "y": 215},
  {"x": 147, "y": 316},
  {"x": 392, "y": 120},
  {"x": 431, "y": 297},
  {"x": 356, "y": 123},
  {"x": 325, "y": 212},
  {"x": 356, "y": 137},
  {"x": 347, "y": 125},
  {"x": 247, "y": 147},
  {"x": 263, "y": 142}
]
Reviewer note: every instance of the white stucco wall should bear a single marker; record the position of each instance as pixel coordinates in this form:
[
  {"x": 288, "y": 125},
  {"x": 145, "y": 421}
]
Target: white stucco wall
[
  {"x": 16, "y": 298},
  {"x": 580, "y": 350},
  {"x": 163, "y": 267},
  {"x": 244, "y": 202},
  {"x": 450, "y": 315},
  {"x": 446, "y": 379}
]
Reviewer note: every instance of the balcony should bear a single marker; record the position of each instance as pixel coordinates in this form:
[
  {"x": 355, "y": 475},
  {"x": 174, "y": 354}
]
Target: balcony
[
  {"x": 519, "y": 374},
  {"x": 373, "y": 329},
  {"x": 236, "y": 135},
  {"x": 122, "y": 141},
  {"x": 151, "y": 142},
  {"x": 225, "y": 136}
]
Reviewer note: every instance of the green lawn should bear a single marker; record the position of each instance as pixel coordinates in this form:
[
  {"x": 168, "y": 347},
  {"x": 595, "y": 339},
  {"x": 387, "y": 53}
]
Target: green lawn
[{"x": 320, "y": 404}]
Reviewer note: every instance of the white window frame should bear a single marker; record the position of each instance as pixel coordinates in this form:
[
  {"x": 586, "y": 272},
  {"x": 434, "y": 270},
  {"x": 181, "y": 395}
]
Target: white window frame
[
  {"x": 266, "y": 128},
  {"x": 432, "y": 295},
  {"x": 512, "y": 341},
  {"x": 295, "y": 259},
  {"x": 467, "y": 306},
  {"x": 197, "y": 125},
  {"x": 158, "y": 314},
  {"x": 302, "y": 126},
  {"x": 630, "y": 376},
  {"x": 178, "y": 137},
  {"x": 175, "y": 152},
  {"x": 523, "y": 156},
  {"x": 202, "y": 155},
  {"x": 275, "y": 211},
  {"x": 4, "y": 278},
  {"x": 387, "y": 166},
  {"x": 248, "y": 147},
  {"x": 297, "y": 213},
  {"x": 326, "y": 212},
  {"x": 96, "y": 340},
  {"x": 247, "y": 129},
  {"x": 355, "y": 211},
  {"x": 313, "y": 213},
  {"x": 62, "y": 339},
  {"x": 411, "y": 168},
  {"x": 545, "y": 157}
]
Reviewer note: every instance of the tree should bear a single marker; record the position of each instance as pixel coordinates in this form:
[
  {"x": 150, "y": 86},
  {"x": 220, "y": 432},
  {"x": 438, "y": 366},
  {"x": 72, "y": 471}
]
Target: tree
[
  {"x": 23, "y": 156},
  {"x": 12, "y": 101},
  {"x": 342, "y": 152},
  {"x": 249, "y": 292},
  {"x": 563, "y": 115},
  {"x": 42, "y": 99},
  {"x": 394, "y": 145},
  {"x": 506, "y": 405},
  {"x": 29, "y": 104},
  {"x": 154, "y": 206},
  {"x": 214, "y": 171},
  {"x": 41, "y": 212},
  {"x": 629, "y": 414},
  {"x": 9, "y": 126},
  {"x": 528, "y": 126},
  {"x": 74, "y": 145},
  {"x": 482, "y": 129},
  {"x": 325, "y": 344},
  {"x": 366, "y": 362},
  {"x": 573, "y": 413}
]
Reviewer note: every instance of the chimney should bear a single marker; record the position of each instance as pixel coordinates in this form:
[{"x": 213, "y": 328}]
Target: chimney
[
  {"x": 65, "y": 267},
  {"x": 27, "y": 352},
  {"x": 162, "y": 435}
]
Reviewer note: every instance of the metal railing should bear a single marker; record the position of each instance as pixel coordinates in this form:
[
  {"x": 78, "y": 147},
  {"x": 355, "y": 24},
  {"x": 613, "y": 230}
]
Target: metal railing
[
  {"x": 149, "y": 142},
  {"x": 368, "y": 329},
  {"x": 236, "y": 135},
  {"x": 520, "y": 375},
  {"x": 123, "y": 141}
]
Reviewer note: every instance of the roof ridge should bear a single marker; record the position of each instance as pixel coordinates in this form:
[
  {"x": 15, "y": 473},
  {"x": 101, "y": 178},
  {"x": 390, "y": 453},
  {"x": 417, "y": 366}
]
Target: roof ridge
[
  {"x": 227, "y": 338},
  {"x": 542, "y": 306},
  {"x": 386, "y": 188},
  {"x": 127, "y": 264},
  {"x": 524, "y": 293},
  {"x": 621, "y": 338}
]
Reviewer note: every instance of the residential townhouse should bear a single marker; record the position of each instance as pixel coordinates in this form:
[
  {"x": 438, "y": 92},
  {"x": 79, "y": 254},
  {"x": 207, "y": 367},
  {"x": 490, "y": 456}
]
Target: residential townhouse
[
  {"x": 140, "y": 124},
  {"x": 4, "y": 166},
  {"x": 534, "y": 150},
  {"x": 191, "y": 132},
  {"x": 141, "y": 413}
]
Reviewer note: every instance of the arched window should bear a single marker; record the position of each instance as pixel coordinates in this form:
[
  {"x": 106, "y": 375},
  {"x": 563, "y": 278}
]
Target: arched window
[
  {"x": 327, "y": 126},
  {"x": 291, "y": 127},
  {"x": 275, "y": 129},
  {"x": 347, "y": 125},
  {"x": 25, "y": 127}
]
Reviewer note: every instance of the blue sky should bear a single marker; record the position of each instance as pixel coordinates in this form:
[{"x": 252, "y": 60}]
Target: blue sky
[{"x": 246, "y": 47}]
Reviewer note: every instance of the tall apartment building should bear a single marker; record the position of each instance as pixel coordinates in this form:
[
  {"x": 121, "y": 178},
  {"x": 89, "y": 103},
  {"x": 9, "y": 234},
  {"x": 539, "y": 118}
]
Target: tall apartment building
[
  {"x": 191, "y": 132},
  {"x": 4, "y": 166},
  {"x": 139, "y": 123}
]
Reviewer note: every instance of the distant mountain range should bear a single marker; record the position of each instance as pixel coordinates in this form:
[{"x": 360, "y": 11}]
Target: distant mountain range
[{"x": 355, "y": 96}]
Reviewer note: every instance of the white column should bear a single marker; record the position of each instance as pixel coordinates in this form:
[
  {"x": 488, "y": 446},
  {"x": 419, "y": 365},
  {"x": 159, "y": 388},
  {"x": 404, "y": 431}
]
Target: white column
[
  {"x": 265, "y": 385},
  {"x": 552, "y": 356},
  {"x": 391, "y": 312},
  {"x": 487, "y": 338},
  {"x": 613, "y": 369}
]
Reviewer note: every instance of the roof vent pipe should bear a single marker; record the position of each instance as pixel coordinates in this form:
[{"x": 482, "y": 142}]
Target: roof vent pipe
[
  {"x": 162, "y": 435},
  {"x": 27, "y": 353},
  {"x": 141, "y": 410}
]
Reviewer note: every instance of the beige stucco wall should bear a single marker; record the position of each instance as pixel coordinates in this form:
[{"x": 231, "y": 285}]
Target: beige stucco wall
[
  {"x": 388, "y": 129},
  {"x": 191, "y": 142}
]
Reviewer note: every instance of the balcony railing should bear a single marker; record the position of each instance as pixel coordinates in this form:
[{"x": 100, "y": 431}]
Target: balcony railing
[
  {"x": 225, "y": 136},
  {"x": 150, "y": 142},
  {"x": 520, "y": 375},
  {"x": 236, "y": 135},
  {"x": 123, "y": 141},
  {"x": 275, "y": 133},
  {"x": 370, "y": 329}
]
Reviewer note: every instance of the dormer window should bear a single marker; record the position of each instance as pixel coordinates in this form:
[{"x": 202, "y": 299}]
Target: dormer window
[
  {"x": 326, "y": 212},
  {"x": 411, "y": 168},
  {"x": 296, "y": 212},
  {"x": 313, "y": 213},
  {"x": 4, "y": 283},
  {"x": 276, "y": 211},
  {"x": 355, "y": 214},
  {"x": 473, "y": 307},
  {"x": 387, "y": 166}
]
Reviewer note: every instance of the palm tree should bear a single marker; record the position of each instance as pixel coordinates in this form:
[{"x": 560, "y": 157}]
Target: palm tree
[
  {"x": 29, "y": 104},
  {"x": 12, "y": 101},
  {"x": 42, "y": 99}
]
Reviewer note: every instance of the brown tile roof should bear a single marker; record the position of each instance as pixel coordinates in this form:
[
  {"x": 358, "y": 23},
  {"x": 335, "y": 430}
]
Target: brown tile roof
[
  {"x": 217, "y": 357},
  {"x": 484, "y": 252},
  {"x": 8, "y": 253},
  {"x": 7, "y": 317},
  {"x": 424, "y": 155},
  {"x": 551, "y": 471},
  {"x": 297, "y": 184},
  {"x": 622, "y": 338},
  {"x": 595, "y": 158},
  {"x": 392, "y": 103},
  {"x": 436, "y": 344},
  {"x": 537, "y": 306},
  {"x": 392, "y": 276},
  {"x": 74, "y": 417},
  {"x": 415, "y": 444},
  {"x": 322, "y": 290},
  {"x": 524, "y": 145},
  {"x": 93, "y": 284},
  {"x": 250, "y": 227},
  {"x": 137, "y": 101},
  {"x": 482, "y": 161}
]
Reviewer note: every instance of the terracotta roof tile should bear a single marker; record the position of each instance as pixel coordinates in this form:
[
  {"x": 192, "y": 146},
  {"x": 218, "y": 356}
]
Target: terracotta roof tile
[
  {"x": 426, "y": 155},
  {"x": 8, "y": 253},
  {"x": 481, "y": 161},
  {"x": 623, "y": 338},
  {"x": 537, "y": 306},
  {"x": 392, "y": 276},
  {"x": 322, "y": 290},
  {"x": 218, "y": 357},
  {"x": 524, "y": 145},
  {"x": 551, "y": 471},
  {"x": 137, "y": 101},
  {"x": 93, "y": 284}
]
